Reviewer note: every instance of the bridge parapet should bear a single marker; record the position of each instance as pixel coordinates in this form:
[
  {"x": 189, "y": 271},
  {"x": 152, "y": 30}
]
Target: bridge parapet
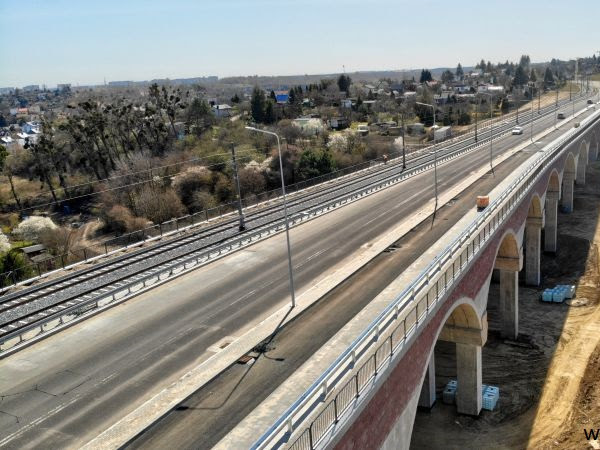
[{"x": 332, "y": 398}]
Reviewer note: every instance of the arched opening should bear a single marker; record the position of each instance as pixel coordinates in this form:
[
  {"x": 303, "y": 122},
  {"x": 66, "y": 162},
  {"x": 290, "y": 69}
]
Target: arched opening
[
  {"x": 455, "y": 356},
  {"x": 503, "y": 295},
  {"x": 533, "y": 241},
  {"x": 582, "y": 162},
  {"x": 593, "y": 151},
  {"x": 551, "y": 212},
  {"x": 568, "y": 180}
]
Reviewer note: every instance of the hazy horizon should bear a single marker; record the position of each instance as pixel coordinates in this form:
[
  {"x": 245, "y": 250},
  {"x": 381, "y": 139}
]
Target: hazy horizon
[{"x": 64, "y": 41}]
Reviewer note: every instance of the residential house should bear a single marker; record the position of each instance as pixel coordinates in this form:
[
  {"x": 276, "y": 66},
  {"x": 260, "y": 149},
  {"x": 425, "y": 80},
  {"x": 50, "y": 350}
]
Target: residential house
[
  {"x": 223, "y": 110},
  {"x": 339, "y": 123},
  {"x": 282, "y": 97}
]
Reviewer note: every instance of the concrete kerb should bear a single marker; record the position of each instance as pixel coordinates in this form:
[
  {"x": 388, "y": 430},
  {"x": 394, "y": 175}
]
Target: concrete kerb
[{"x": 152, "y": 410}]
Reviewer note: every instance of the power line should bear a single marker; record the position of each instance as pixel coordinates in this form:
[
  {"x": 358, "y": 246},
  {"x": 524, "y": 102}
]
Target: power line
[{"x": 116, "y": 188}]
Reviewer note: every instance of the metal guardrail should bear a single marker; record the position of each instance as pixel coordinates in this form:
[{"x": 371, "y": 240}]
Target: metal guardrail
[
  {"x": 349, "y": 375},
  {"x": 64, "y": 314}
]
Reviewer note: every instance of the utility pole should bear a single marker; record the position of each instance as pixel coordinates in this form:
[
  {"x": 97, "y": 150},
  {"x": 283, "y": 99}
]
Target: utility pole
[
  {"x": 539, "y": 95},
  {"x": 242, "y": 225},
  {"x": 403, "y": 143},
  {"x": 476, "y": 117}
]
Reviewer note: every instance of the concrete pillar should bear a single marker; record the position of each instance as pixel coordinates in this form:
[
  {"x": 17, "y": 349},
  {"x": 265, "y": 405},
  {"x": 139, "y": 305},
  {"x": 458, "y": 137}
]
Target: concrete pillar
[
  {"x": 551, "y": 223},
  {"x": 509, "y": 303},
  {"x": 581, "y": 171},
  {"x": 468, "y": 392},
  {"x": 427, "y": 397},
  {"x": 567, "y": 194},
  {"x": 533, "y": 244}
]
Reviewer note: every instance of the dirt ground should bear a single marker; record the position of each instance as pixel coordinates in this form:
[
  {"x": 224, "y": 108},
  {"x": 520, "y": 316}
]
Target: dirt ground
[{"x": 550, "y": 379}]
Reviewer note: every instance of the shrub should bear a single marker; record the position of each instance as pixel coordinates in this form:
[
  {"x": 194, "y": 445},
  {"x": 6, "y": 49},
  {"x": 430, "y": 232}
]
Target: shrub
[
  {"x": 121, "y": 220},
  {"x": 202, "y": 200},
  {"x": 31, "y": 228},
  {"x": 4, "y": 244},
  {"x": 13, "y": 266},
  {"x": 158, "y": 205}
]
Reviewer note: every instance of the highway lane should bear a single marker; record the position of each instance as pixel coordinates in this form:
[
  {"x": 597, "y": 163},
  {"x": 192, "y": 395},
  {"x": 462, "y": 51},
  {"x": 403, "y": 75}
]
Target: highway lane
[{"x": 62, "y": 398}]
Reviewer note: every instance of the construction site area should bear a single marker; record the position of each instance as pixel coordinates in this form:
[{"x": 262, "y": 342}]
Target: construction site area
[{"x": 549, "y": 376}]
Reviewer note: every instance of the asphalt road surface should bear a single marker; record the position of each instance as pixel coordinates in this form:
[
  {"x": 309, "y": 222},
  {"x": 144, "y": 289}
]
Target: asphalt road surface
[{"x": 65, "y": 390}]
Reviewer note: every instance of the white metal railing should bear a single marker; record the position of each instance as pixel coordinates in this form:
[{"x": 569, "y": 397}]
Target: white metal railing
[{"x": 310, "y": 418}]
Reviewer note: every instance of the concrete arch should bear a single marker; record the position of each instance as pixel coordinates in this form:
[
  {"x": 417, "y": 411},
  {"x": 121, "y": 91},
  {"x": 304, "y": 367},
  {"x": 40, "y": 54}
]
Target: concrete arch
[
  {"x": 464, "y": 326},
  {"x": 536, "y": 209},
  {"x": 582, "y": 161},
  {"x": 554, "y": 182},
  {"x": 533, "y": 240},
  {"x": 509, "y": 261},
  {"x": 551, "y": 211},
  {"x": 593, "y": 149},
  {"x": 568, "y": 180}
]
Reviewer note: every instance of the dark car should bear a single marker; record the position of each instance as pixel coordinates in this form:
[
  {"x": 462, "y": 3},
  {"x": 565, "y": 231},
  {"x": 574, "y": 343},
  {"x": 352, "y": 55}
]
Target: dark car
[{"x": 590, "y": 102}]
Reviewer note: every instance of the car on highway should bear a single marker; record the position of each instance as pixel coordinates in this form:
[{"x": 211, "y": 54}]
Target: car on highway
[
  {"x": 560, "y": 115},
  {"x": 517, "y": 130},
  {"x": 590, "y": 102}
]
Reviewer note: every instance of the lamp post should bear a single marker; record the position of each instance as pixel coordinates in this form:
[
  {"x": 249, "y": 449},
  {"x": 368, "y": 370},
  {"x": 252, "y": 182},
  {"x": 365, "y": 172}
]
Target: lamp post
[
  {"x": 242, "y": 226},
  {"x": 491, "y": 129},
  {"x": 287, "y": 226},
  {"x": 434, "y": 156}
]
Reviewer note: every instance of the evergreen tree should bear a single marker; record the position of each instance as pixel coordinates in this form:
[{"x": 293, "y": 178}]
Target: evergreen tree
[
  {"x": 459, "y": 72},
  {"x": 425, "y": 76},
  {"x": 272, "y": 96},
  {"x": 257, "y": 104},
  {"x": 269, "y": 114},
  {"x": 548, "y": 77},
  {"x": 520, "y": 77},
  {"x": 344, "y": 82},
  {"x": 532, "y": 76}
]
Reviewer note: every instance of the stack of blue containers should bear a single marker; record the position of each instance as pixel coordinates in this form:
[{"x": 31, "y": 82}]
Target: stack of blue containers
[
  {"x": 559, "y": 293},
  {"x": 489, "y": 395},
  {"x": 449, "y": 394}
]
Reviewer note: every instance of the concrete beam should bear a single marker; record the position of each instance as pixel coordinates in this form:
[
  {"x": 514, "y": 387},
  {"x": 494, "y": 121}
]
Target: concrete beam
[
  {"x": 581, "y": 172},
  {"x": 468, "y": 392},
  {"x": 427, "y": 397},
  {"x": 463, "y": 335},
  {"x": 551, "y": 225},
  {"x": 567, "y": 197},
  {"x": 509, "y": 303},
  {"x": 512, "y": 264},
  {"x": 533, "y": 244}
]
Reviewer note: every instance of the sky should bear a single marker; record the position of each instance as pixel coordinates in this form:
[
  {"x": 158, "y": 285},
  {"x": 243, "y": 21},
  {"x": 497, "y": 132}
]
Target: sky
[{"x": 89, "y": 41}]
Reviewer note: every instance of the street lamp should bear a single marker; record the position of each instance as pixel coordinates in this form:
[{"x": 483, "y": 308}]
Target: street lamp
[
  {"x": 434, "y": 156},
  {"x": 242, "y": 225},
  {"x": 491, "y": 129},
  {"x": 287, "y": 226}
]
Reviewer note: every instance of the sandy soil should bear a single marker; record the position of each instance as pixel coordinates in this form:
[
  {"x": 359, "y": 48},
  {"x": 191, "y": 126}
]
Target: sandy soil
[{"x": 550, "y": 380}]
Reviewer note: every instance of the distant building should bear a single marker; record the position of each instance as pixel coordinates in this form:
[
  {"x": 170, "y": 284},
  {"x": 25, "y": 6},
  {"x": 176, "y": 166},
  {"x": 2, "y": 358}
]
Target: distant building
[
  {"x": 7, "y": 90},
  {"x": 63, "y": 87},
  {"x": 31, "y": 128},
  {"x": 339, "y": 123},
  {"x": 282, "y": 97},
  {"x": 31, "y": 88},
  {"x": 223, "y": 110}
]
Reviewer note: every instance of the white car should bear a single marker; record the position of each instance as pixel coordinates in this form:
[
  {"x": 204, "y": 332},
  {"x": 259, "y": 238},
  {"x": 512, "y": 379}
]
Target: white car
[{"x": 517, "y": 130}]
